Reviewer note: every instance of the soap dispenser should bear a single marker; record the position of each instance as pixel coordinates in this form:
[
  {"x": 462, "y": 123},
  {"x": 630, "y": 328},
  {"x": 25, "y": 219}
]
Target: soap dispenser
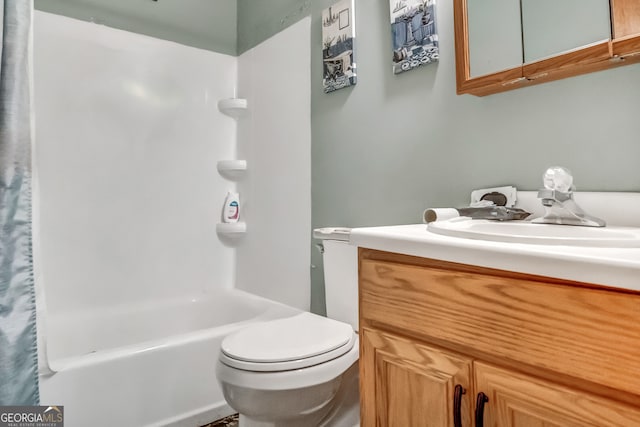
[{"x": 231, "y": 210}]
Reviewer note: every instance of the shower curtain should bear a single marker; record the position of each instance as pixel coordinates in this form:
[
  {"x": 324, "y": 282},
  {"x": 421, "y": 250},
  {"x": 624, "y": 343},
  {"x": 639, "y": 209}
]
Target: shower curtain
[{"x": 18, "y": 350}]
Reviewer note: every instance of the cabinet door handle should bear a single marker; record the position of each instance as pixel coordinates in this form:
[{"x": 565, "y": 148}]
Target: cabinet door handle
[
  {"x": 457, "y": 403},
  {"x": 480, "y": 401}
]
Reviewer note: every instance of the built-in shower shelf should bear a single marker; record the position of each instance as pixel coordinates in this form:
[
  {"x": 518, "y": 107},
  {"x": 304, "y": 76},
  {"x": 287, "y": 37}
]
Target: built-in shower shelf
[
  {"x": 231, "y": 229},
  {"x": 232, "y": 169},
  {"x": 232, "y": 166},
  {"x": 233, "y": 107}
]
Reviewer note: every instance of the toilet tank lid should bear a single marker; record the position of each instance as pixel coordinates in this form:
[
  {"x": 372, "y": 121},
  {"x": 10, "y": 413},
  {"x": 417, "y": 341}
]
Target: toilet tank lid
[{"x": 332, "y": 233}]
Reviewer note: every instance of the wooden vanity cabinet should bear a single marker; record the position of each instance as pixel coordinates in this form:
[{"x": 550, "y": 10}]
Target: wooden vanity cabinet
[{"x": 544, "y": 352}]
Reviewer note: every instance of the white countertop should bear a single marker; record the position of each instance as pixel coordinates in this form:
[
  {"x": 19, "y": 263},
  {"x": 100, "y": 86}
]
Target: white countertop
[{"x": 614, "y": 267}]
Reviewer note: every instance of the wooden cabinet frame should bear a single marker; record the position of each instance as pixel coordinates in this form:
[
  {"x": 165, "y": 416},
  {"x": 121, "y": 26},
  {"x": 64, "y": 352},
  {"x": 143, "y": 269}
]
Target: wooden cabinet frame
[
  {"x": 483, "y": 85},
  {"x": 568, "y": 347},
  {"x": 625, "y": 20},
  {"x": 622, "y": 49}
]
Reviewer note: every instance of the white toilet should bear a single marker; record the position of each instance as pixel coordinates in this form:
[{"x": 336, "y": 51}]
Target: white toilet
[{"x": 301, "y": 371}]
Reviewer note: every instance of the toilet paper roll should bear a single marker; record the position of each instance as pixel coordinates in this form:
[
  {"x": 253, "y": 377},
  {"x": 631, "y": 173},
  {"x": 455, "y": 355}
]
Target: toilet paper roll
[{"x": 439, "y": 214}]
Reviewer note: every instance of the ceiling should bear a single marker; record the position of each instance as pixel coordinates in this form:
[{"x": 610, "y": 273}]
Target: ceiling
[{"x": 206, "y": 24}]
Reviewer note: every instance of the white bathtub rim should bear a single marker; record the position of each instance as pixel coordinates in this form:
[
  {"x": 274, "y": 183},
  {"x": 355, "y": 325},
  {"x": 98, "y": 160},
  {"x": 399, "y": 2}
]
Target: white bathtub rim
[
  {"x": 197, "y": 417},
  {"x": 274, "y": 310}
]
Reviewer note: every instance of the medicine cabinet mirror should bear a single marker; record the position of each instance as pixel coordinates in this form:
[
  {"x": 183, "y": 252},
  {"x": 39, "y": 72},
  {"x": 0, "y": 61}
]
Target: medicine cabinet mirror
[{"x": 506, "y": 44}]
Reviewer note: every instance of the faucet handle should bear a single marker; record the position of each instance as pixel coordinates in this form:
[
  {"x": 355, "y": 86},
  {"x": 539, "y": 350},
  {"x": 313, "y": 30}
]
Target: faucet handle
[
  {"x": 557, "y": 198},
  {"x": 558, "y": 178},
  {"x": 549, "y": 196}
]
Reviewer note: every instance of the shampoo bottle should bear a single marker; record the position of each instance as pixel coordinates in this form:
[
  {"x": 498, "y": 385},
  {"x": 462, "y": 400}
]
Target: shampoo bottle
[{"x": 231, "y": 210}]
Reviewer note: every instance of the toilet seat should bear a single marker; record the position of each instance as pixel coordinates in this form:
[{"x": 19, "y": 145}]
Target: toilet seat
[{"x": 285, "y": 344}]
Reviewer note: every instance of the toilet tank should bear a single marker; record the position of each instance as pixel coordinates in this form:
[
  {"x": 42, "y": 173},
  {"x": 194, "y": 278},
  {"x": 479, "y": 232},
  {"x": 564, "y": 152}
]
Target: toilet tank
[{"x": 340, "y": 274}]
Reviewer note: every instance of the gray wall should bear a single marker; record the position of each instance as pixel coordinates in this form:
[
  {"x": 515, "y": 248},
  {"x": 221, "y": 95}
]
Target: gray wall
[
  {"x": 394, "y": 145},
  {"x": 260, "y": 19},
  {"x": 206, "y": 24}
]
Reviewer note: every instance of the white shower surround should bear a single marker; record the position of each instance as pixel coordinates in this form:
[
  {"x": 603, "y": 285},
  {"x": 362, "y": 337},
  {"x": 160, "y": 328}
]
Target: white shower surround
[
  {"x": 127, "y": 199},
  {"x": 127, "y": 138},
  {"x": 275, "y": 139}
]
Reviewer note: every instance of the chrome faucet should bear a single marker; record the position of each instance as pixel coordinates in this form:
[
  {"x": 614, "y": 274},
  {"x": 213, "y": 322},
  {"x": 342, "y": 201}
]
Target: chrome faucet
[{"x": 557, "y": 198}]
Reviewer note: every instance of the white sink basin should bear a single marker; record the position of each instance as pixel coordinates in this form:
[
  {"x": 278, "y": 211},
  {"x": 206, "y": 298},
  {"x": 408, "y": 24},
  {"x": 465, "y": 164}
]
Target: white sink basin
[{"x": 541, "y": 234}]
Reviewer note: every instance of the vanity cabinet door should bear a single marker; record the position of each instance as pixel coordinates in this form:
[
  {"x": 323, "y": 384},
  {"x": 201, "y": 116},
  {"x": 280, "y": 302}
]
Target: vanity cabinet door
[
  {"x": 516, "y": 400},
  {"x": 408, "y": 384}
]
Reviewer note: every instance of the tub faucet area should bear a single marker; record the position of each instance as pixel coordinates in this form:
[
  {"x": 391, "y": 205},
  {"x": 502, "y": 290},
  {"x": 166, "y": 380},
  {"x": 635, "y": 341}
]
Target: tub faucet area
[{"x": 557, "y": 198}]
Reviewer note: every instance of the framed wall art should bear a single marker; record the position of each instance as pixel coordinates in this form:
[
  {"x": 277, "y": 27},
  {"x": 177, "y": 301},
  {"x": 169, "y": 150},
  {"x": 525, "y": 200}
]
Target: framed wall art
[
  {"x": 338, "y": 40},
  {"x": 414, "y": 33}
]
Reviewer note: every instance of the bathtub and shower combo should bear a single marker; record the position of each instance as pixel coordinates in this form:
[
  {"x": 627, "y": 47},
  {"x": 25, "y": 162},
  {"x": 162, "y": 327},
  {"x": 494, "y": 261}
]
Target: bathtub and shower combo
[{"x": 135, "y": 290}]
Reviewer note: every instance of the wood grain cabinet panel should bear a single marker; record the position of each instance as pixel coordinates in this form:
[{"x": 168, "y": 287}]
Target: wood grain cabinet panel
[
  {"x": 590, "y": 333},
  {"x": 547, "y": 352},
  {"x": 625, "y": 19},
  {"x": 408, "y": 384},
  {"x": 517, "y": 400}
]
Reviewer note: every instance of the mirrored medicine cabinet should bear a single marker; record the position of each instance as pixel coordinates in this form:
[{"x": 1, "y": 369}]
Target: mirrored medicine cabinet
[{"x": 507, "y": 44}]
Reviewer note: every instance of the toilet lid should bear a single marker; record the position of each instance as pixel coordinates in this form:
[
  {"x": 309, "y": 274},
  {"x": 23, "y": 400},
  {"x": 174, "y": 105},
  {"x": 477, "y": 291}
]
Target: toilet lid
[{"x": 290, "y": 343}]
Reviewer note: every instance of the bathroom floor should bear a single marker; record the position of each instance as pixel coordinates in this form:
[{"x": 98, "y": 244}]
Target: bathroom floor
[{"x": 230, "y": 421}]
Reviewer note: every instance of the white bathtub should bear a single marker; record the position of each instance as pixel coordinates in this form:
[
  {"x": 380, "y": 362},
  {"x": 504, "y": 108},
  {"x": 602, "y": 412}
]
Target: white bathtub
[{"x": 146, "y": 365}]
